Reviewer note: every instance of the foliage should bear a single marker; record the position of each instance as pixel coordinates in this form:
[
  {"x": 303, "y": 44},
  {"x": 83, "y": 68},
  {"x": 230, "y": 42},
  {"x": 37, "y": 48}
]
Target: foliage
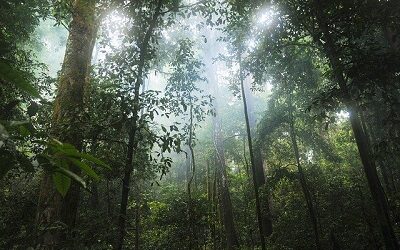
[{"x": 155, "y": 67}]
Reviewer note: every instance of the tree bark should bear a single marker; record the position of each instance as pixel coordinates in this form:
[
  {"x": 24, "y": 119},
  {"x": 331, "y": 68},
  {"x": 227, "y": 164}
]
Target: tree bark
[{"x": 56, "y": 215}]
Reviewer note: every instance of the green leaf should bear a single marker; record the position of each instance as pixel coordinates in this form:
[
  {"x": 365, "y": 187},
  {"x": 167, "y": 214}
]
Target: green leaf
[
  {"x": 13, "y": 124},
  {"x": 24, "y": 131},
  {"x": 62, "y": 183},
  {"x": 95, "y": 160},
  {"x": 17, "y": 77},
  {"x": 86, "y": 168},
  {"x": 73, "y": 176},
  {"x": 6, "y": 162}
]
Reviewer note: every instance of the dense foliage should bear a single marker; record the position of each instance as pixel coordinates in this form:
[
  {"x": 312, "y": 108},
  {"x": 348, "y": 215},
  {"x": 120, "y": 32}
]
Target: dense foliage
[{"x": 179, "y": 124}]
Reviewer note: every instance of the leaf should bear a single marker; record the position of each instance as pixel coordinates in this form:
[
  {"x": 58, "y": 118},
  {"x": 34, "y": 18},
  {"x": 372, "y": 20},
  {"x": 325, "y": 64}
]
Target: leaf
[
  {"x": 24, "y": 131},
  {"x": 86, "y": 168},
  {"x": 17, "y": 77},
  {"x": 3, "y": 132},
  {"x": 15, "y": 123},
  {"x": 95, "y": 160},
  {"x": 6, "y": 162},
  {"x": 33, "y": 109},
  {"x": 72, "y": 175},
  {"x": 62, "y": 183}
]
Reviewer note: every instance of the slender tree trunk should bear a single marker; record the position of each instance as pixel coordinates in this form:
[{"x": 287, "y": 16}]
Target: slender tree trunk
[
  {"x": 223, "y": 208},
  {"x": 192, "y": 169},
  {"x": 226, "y": 203},
  {"x": 56, "y": 215},
  {"x": 252, "y": 158},
  {"x": 208, "y": 181},
  {"x": 108, "y": 198},
  {"x": 210, "y": 204},
  {"x": 132, "y": 142},
  {"x": 378, "y": 194},
  {"x": 334, "y": 242},
  {"x": 94, "y": 197},
  {"x": 137, "y": 218},
  {"x": 371, "y": 239},
  {"x": 214, "y": 209},
  {"x": 302, "y": 177},
  {"x": 223, "y": 189},
  {"x": 260, "y": 179},
  {"x": 245, "y": 161}
]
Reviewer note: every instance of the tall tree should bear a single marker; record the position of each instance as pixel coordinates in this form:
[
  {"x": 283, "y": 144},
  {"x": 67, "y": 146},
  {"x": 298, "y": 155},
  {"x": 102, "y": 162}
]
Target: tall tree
[
  {"x": 54, "y": 211},
  {"x": 302, "y": 177},
  {"x": 360, "y": 135},
  {"x": 321, "y": 25},
  {"x": 224, "y": 197},
  {"x": 258, "y": 161},
  {"x": 261, "y": 225},
  {"x": 133, "y": 128}
]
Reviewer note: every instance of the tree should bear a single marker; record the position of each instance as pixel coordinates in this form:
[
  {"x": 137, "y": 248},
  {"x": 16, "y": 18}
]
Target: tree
[
  {"x": 186, "y": 99},
  {"x": 299, "y": 28},
  {"x": 67, "y": 123}
]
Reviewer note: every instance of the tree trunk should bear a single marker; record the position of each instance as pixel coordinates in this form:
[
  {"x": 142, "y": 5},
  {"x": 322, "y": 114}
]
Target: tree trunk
[
  {"x": 214, "y": 208},
  {"x": 191, "y": 170},
  {"x": 378, "y": 194},
  {"x": 56, "y": 215},
  {"x": 222, "y": 184},
  {"x": 252, "y": 158},
  {"x": 137, "y": 218},
  {"x": 302, "y": 177},
  {"x": 132, "y": 142},
  {"x": 260, "y": 179},
  {"x": 371, "y": 237}
]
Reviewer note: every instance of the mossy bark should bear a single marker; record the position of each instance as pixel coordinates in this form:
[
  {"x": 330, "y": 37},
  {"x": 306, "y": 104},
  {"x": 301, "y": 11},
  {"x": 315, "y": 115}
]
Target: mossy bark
[{"x": 56, "y": 215}]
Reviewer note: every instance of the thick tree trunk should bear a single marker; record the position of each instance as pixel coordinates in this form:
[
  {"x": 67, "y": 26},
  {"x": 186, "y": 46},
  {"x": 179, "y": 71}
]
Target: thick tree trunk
[
  {"x": 56, "y": 215},
  {"x": 133, "y": 142},
  {"x": 378, "y": 194},
  {"x": 252, "y": 158}
]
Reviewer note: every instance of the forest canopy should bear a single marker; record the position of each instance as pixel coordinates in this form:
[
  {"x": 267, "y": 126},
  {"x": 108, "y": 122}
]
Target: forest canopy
[{"x": 199, "y": 124}]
